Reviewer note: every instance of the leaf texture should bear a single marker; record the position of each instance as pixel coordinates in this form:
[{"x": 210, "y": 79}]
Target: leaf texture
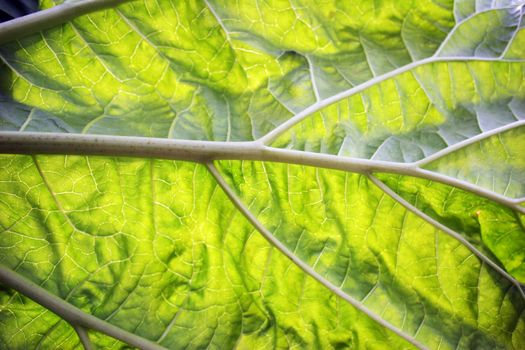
[
  {"x": 376, "y": 199},
  {"x": 194, "y": 274}
]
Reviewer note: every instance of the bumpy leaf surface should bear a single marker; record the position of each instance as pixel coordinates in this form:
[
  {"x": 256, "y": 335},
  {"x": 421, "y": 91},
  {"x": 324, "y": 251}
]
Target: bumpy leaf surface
[{"x": 332, "y": 174}]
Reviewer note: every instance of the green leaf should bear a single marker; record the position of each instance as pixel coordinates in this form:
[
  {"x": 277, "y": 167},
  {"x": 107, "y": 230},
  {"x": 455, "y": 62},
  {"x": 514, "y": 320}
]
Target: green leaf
[
  {"x": 507, "y": 178},
  {"x": 164, "y": 242},
  {"x": 254, "y": 175},
  {"x": 415, "y": 113}
]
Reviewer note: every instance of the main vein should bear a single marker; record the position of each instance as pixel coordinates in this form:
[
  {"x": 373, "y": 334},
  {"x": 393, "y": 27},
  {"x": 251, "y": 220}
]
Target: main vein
[{"x": 205, "y": 151}]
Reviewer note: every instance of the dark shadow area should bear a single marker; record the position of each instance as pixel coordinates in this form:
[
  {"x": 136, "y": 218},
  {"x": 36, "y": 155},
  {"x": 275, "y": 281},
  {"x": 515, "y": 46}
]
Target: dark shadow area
[{"x": 10, "y": 9}]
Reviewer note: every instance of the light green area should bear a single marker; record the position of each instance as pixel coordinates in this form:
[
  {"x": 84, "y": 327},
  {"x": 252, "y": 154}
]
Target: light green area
[
  {"x": 156, "y": 248},
  {"x": 416, "y": 113},
  {"x": 517, "y": 48},
  {"x": 26, "y": 325},
  {"x": 496, "y": 163},
  {"x": 174, "y": 69},
  {"x": 105, "y": 342},
  {"x": 404, "y": 269},
  {"x": 495, "y": 230}
]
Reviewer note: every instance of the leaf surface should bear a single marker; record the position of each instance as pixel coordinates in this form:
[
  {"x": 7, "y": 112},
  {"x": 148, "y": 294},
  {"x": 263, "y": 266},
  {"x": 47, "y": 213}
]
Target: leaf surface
[{"x": 375, "y": 201}]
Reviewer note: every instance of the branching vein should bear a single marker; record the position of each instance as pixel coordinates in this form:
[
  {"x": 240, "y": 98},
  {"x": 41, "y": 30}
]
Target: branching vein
[{"x": 301, "y": 264}]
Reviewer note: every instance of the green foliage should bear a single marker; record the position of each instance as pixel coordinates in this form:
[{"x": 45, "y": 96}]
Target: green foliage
[{"x": 400, "y": 200}]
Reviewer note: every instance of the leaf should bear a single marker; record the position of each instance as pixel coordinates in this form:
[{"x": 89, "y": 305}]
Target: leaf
[
  {"x": 263, "y": 175},
  {"x": 415, "y": 113}
]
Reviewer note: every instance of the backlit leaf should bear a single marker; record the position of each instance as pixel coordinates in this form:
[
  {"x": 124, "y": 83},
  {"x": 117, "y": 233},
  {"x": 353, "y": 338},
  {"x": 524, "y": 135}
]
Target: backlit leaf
[{"x": 263, "y": 175}]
